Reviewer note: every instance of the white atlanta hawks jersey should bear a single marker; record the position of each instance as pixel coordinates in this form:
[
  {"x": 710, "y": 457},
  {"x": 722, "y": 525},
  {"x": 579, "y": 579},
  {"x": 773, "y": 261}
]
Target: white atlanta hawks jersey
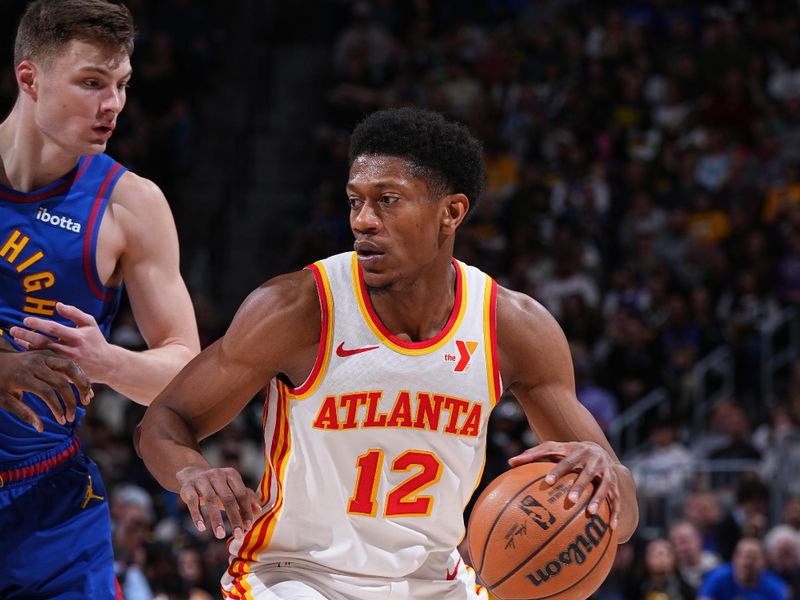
[{"x": 372, "y": 460}]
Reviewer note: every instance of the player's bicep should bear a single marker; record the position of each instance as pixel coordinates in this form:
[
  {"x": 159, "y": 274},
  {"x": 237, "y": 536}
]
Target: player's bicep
[
  {"x": 212, "y": 389},
  {"x": 273, "y": 324}
]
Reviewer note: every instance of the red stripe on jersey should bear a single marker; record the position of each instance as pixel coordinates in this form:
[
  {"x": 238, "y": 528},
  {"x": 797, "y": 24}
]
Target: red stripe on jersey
[
  {"x": 323, "y": 335},
  {"x": 493, "y": 342},
  {"x": 87, "y": 240},
  {"x": 457, "y": 307}
]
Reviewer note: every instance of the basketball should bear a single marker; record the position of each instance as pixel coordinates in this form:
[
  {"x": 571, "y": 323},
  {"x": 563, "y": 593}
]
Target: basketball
[{"x": 527, "y": 541}]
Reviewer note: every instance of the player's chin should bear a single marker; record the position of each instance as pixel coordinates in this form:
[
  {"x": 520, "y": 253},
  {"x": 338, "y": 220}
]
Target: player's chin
[
  {"x": 95, "y": 147},
  {"x": 379, "y": 281}
]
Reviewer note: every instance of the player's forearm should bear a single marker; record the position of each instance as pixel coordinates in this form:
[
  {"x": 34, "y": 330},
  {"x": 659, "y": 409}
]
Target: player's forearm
[
  {"x": 166, "y": 444},
  {"x": 141, "y": 376},
  {"x": 629, "y": 511}
]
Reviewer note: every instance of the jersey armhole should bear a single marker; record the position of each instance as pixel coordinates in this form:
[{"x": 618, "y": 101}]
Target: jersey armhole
[{"x": 326, "y": 332}]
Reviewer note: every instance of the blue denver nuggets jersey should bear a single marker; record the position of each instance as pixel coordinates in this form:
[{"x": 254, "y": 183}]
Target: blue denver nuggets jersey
[{"x": 48, "y": 239}]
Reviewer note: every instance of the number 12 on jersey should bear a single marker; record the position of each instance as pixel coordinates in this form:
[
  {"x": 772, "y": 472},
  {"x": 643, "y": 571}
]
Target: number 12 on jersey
[{"x": 404, "y": 500}]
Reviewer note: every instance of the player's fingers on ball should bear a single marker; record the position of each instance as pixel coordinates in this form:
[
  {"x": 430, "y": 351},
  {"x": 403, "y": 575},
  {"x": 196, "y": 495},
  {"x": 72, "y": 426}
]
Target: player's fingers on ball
[
  {"x": 566, "y": 465},
  {"x": 544, "y": 450},
  {"x": 613, "y": 499},
  {"x": 602, "y": 492},
  {"x": 583, "y": 479}
]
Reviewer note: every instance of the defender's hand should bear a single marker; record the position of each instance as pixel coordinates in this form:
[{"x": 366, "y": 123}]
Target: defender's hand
[
  {"x": 218, "y": 489},
  {"x": 43, "y": 373},
  {"x": 84, "y": 343},
  {"x": 590, "y": 461}
]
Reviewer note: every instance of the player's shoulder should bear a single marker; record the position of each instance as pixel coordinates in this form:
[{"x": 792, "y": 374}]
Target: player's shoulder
[
  {"x": 283, "y": 312},
  {"x": 138, "y": 194},
  {"x": 285, "y": 299},
  {"x": 517, "y": 310},
  {"x": 530, "y": 341}
]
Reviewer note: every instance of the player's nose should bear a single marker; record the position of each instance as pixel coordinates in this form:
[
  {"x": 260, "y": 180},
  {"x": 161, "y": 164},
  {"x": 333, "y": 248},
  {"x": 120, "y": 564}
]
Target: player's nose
[
  {"x": 113, "y": 101},
  {"x": 365, "y": 219}
]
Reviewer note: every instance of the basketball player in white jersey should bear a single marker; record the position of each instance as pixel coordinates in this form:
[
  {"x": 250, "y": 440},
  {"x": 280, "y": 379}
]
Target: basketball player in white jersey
[{"x": 382, "y": 366}]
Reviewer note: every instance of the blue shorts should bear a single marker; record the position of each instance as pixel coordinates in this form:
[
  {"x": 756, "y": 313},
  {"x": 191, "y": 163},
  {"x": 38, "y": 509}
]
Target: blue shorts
[{"x": 55, "y": 532}]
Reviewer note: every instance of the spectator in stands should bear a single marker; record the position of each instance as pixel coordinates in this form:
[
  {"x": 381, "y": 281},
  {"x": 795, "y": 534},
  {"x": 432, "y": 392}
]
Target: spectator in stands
[
  {"x": 666, "y": 465},
  {"x": 191, "y": 571},
  {"x": 745, "y": 577},
  {"x": 747, "y": 518},
  {"x": 630, "y": 366},
  {"x": 738, "y": 449},
  {"x": 791, "y": 512},
  {"x": 702, "y": 509},
  {"x": 782, "y": 548},
  {"x": 694, "y": 562},
  {"x": 622, "y": 571},
  {"x": 661, "y": 578},
  {"x": 778, "y": 441}
]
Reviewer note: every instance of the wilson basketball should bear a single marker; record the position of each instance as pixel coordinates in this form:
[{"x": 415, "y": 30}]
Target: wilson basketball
[{"x": 527, "y": 541}]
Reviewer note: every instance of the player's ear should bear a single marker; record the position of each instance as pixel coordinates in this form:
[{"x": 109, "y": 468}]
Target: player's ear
[
  {"x": 27, "y": 80},
  {"x": 455, "y": 209}
]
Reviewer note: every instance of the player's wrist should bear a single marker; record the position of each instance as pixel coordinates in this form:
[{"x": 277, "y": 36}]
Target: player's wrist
[{"x": 111, "y": 366}]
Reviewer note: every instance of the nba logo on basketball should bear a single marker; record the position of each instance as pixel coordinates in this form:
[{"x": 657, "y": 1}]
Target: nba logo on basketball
[
  {"x": 536, "y": 511},
  {"x": 465, "y": 352}
]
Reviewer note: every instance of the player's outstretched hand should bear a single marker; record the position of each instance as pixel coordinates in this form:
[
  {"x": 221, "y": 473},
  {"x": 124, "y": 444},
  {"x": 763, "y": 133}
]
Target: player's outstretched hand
[
  {"x": 593, "y": 465},
  {"x": 43, "y": 373},
  {"x": 217, "y": 490},
  {"x": 84, "y": 342}
]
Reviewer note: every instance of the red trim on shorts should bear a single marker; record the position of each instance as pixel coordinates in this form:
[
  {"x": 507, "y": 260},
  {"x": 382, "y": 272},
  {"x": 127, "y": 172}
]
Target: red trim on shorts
[{"x": 40, "y": 467}]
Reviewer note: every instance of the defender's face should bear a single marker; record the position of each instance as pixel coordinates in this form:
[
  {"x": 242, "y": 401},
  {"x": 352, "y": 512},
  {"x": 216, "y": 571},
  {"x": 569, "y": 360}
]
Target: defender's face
[
  {"x": 79, "y": 94},
  {"x": 395, "y": 221}
]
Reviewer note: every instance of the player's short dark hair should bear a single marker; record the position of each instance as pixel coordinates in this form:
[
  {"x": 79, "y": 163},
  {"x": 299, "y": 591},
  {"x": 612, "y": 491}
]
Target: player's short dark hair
[
  {"x": 443, "y": 153},
  {"x": 49, "y": 25}
]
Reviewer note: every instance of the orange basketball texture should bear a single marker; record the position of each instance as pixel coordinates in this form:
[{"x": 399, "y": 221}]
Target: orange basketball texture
[{"x": 527, "y": 541}]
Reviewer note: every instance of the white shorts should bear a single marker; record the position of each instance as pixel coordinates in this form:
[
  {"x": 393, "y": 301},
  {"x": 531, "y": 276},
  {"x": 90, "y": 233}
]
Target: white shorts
[{"x": 293, "y": 583}]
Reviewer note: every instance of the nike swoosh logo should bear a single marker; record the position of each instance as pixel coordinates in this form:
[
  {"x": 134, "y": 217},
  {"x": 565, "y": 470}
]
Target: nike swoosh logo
[
  {"x": 342, "y": 351},
  {"x": 451, "y": 576}
]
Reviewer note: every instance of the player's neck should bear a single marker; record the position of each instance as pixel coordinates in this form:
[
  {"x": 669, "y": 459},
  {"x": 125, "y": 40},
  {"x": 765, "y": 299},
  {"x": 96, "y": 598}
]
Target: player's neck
[
  {"x": 28, "y": 160},
  {"x": 417, "y": 311}
]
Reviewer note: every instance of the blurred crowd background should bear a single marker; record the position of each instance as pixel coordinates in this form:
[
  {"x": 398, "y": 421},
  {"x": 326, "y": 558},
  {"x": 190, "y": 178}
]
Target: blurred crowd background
[{"x": 643, "y": 183}]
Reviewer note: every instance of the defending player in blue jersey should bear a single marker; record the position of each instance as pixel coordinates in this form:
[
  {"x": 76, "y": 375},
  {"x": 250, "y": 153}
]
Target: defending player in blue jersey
[{"x": 74, "y": 224}]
